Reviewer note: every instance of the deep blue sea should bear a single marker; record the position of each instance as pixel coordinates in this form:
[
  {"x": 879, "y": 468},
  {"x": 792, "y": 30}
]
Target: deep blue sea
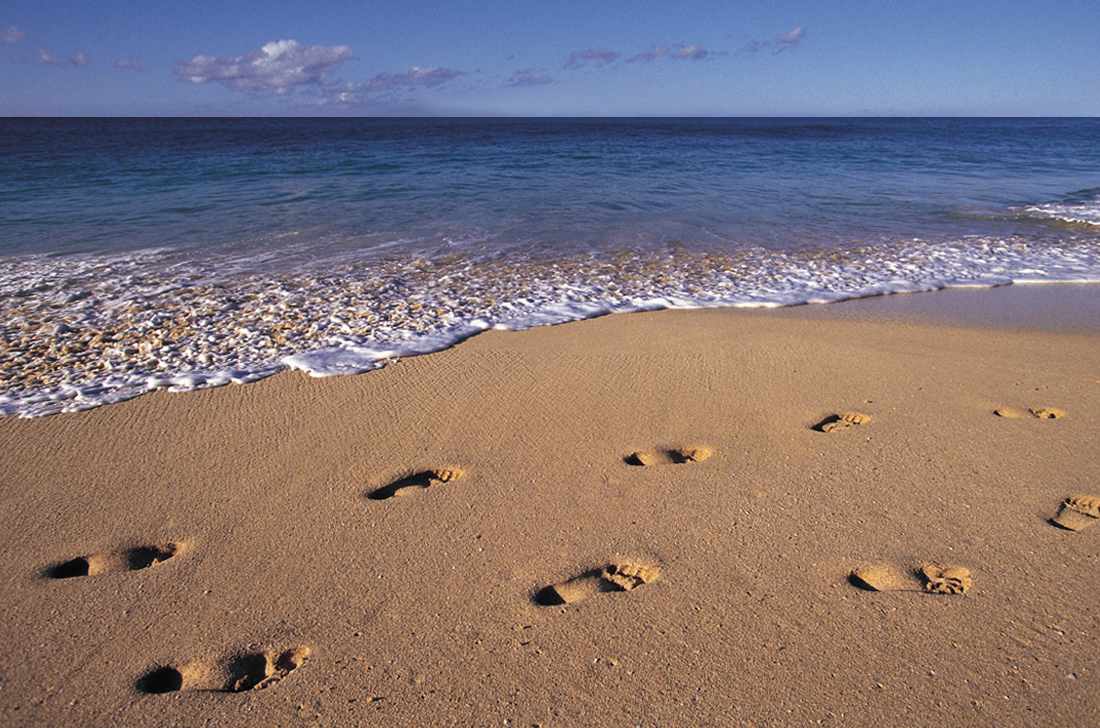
[{"x": 144, "y": 253}]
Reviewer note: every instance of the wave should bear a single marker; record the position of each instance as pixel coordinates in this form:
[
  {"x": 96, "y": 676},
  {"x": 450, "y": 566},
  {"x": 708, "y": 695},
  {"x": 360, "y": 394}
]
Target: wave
[
  {"x": 1080, "y": 208},
  {"x": 85, "y": 331}
]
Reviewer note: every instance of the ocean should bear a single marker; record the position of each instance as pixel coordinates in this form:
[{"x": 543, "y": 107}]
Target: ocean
[{"x": 138, "y": 254}]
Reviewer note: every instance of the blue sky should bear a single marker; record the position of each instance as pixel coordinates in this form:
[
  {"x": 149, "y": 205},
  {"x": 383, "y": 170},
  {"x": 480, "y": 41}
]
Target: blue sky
[{"x": 568, "y": 58}]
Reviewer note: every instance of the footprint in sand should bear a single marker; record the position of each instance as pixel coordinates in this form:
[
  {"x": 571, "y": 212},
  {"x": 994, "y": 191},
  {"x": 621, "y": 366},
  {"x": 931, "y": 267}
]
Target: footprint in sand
[
  {"x": 1078, "y": 512},
  {"x": 1039, "y": 413},
  {"x": 842, "y": 421},
  {"x": 665, "y": 456},
  {"x": 929, "y": 578},
  {"x": 244, "y": 671},
  {"x": 417, "y": 481},
  {"x": 133, "y": 559},
  {"x": 611, "y": 578}
]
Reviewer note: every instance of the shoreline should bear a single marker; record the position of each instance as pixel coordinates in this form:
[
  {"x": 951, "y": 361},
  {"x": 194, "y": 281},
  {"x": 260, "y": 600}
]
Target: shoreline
[
  {"x": 465, "y": 537},
  {"x": 1051, "y": 307},
  {"x": 1043, "y": 305}
]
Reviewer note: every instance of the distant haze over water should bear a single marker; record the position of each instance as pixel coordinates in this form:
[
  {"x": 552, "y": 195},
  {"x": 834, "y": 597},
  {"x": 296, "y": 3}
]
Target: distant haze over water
[{"x": 191, "y": 252}]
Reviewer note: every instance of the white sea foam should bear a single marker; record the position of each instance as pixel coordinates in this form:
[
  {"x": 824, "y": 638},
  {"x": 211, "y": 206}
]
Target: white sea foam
[
  {"x": 1075, "y": 213},
  {"x": 96, "y": 330}
]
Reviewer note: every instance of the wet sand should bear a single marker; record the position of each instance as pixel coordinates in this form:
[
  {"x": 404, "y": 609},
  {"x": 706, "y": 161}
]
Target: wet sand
[{"x": 810, "y": 516}]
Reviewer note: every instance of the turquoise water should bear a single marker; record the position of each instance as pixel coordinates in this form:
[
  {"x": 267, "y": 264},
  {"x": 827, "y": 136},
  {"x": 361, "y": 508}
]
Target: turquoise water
[{"x": 144, "y": 253}]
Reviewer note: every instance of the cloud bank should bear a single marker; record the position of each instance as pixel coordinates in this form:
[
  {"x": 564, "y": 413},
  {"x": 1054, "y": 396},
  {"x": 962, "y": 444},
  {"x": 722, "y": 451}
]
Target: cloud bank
[
  {"x": 384, "y": 88},
  {"x": 527, "y": 77},
  {"x": 679, "y": 52},
  {"x": 279, "y": 67},
  {"x": 415, "y": 76},
  {"x": 650, "y": 55}
]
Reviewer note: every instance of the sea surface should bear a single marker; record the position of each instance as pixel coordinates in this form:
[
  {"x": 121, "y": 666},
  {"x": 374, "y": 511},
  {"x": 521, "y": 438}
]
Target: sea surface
[{"x": 138, "y": 254}]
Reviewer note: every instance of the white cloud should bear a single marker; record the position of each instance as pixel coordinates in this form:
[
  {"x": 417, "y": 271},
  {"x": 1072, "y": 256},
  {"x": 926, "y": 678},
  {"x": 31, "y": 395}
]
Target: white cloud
[
  {"x": 652, "y": 54},
  {"x": 694, "y": 52},
  {"x": 527, "y": 77},
  {"x": 79, "y": 59},
  {"x": 580, "y": 58},
  {"x": 793, "y": 37},
  {"x": 11, "y": 34},
  {"x": 279, "y": 67},
  {"x": 127, "y": 63}
]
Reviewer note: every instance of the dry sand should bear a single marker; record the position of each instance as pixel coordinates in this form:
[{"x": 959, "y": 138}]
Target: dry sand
[{"x": 634, "y": 520}]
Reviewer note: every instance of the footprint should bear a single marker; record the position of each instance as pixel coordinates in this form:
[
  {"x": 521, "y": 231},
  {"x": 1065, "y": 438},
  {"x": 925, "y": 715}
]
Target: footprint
[
  {"x": 929, "y": 578},
  {"x": 611, "y": 578},
  {"x": 664, "y": 456},
  {"x": 1040, "y": 413},
  {"x": 842, "y": 421},
  {"x": 259, "y": 670},
  {"x": 139, "y": 557},
  {"x": 245, "y": 671},
  {"x": 1078, "y": 512},
  {"x": 416, "y": 481},
  {"x": 164, "y": 680}
]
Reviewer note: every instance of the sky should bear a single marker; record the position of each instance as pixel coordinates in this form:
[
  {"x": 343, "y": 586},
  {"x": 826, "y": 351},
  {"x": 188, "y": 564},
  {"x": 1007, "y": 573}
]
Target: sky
[{"x": 564, "y": 58}]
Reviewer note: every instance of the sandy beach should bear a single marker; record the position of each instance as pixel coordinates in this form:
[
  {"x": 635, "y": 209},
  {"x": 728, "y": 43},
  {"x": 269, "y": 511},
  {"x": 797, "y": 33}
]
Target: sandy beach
[{"x": 672, "y": 518}]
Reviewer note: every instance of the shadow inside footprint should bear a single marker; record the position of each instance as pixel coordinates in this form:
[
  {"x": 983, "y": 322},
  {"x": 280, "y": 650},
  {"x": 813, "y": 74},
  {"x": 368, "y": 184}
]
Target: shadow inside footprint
[
  {"x": 71, "y": 569},
  {"x": 258, "y": 670},
  {"x": 161, "y": 680},
  {"x": 143, "y": 557},
  {"x": 1078, "y": 512},
  {"x": 841, "y": 421},
  {"x": 929, "y": 578},
  {"x": 1038, "y": 413},
  {"x": 247, "y": 671},
  {"x": 664, "y": 456},
  {"x": 859, "y": 581},
  {"x": 611, "y": 578},
  {"x": 243, "y": 672},
  {"x": 139, "y": 557},
  {"x": 577, "y": 588},
  {"x": 416, "y": 481},
  {"x": 548, "y": 597}
]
